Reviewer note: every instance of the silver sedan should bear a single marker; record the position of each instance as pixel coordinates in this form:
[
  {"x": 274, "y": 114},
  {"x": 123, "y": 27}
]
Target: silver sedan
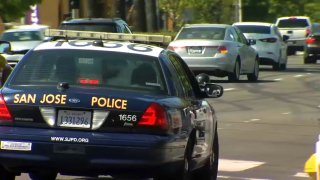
[{"x": 217, "y": 49}]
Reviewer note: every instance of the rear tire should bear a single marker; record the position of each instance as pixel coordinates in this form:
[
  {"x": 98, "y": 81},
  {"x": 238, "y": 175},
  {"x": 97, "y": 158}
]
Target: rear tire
[
  {"x": 235, "y": 75},
  {"x": 6, "y": 175},
  {"x": 277, "y": 65},
  {"x": 255, "y": 74},
  {"x": 183, "y": 173},
  {"x": 290, "y": 52},
  {"x": 309, "y": 60},
  {"x": 210, "y": 170},
  {"x": 45, "y": 175}
]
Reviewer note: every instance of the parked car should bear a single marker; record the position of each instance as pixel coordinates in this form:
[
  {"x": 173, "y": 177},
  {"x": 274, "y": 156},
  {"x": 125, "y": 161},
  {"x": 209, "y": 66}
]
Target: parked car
[
  {"x": 297, "y": 28},
  {"x": 114, "y": 25},
  {"x": 312, "y": 48},
  {"x": 217, "y": 49},
  {"x": 24, "y": 38},
  {"x": 270, "y": 44},
  {"x": 91, "y": 107}
]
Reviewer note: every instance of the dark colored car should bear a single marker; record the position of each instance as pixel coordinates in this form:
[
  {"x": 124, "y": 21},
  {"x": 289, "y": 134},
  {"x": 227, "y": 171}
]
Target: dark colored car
[
  {"x": 312, "y": 48},
  {"x": 114, "y": 25},
  {"x": 92, "y": 107}
]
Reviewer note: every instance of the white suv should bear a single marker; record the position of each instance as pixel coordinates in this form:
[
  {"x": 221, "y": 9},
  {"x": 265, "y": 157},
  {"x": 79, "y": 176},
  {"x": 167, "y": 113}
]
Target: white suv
[{"x": 297, "y": 28}]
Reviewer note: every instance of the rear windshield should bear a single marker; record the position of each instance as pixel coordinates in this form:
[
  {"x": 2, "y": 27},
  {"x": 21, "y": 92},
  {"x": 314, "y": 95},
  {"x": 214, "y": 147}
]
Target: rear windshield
[
  {"x": 293, "y": 23},
  {"x": 254, "y": 29},
  {"x": 91, "y": 68},
  {"x": 22, "y": 36},
  {"x": 110, "y": 27},
  {"x": 214, "y": 33}
]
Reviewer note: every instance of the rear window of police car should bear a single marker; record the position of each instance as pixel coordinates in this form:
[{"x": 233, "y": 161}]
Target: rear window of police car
[{"x": 91, "y": 68}]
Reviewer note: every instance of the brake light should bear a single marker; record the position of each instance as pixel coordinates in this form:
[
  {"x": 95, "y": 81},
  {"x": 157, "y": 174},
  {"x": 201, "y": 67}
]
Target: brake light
[
  {"x": 269, "y": 40},
  {"x": 89, "y": 81},
  {"x": 154, "y": 116},
  {"x": 222, "y": 50},
  {"x": 308, "y": 31},
  {"x": 174, "y": 48},
  {"x": 4, "y": 111},
  {"x": 310, "y": 40}
]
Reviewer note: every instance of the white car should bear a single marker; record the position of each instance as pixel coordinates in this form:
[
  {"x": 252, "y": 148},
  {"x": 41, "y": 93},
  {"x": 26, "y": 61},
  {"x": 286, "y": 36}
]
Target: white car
[
  {"x": 270, "y": 44},
  {"x": 297, "y": 28},
  {"x": 24, "y": 38}
]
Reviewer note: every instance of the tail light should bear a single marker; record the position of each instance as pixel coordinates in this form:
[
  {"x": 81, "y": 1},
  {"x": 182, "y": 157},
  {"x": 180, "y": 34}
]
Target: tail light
[
  {"x": 308, "y": 31},
  {"x": 154, "y": 116},
  {"x": 174, "y": 48},
  {"x": 222, "y": 50},
  {"x": 269, "y": 40},
  {"x": 4, "y": 111},
  {"x": 310, "y": 40},
  {"x": 89, "y": 81}
]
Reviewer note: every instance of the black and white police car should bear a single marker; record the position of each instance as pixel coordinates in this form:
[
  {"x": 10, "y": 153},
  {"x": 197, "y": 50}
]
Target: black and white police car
[{"x": 106, "y": 106}]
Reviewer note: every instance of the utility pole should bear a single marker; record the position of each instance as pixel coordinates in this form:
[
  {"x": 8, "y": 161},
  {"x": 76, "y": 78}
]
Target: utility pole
[{"x": 240, "y": 10}]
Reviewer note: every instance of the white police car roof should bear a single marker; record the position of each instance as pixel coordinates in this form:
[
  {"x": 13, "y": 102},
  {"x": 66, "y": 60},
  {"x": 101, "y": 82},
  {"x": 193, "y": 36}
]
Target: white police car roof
[
  {"x": 123, "y": 47},
  {"x": 116, "y": 42}
]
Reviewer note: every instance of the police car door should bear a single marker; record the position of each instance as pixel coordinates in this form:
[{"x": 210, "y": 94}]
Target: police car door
[{"x": 199, "y": 110}]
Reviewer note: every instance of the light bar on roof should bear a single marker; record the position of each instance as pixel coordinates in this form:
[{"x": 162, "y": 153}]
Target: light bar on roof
[{"x": 108, "y": 36}]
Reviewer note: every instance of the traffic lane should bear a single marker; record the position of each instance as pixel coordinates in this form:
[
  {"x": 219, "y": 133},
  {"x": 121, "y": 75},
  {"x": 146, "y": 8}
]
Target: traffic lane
[{"x": 273, "y": 123}]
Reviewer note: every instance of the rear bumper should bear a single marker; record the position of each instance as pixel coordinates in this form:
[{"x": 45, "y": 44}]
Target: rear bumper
[
  {"x": 104, "y": 153},
  {"x": 296, "y": 43},
  {"x": 219, "y": 65},
  {"x": 312, "y": 50}
]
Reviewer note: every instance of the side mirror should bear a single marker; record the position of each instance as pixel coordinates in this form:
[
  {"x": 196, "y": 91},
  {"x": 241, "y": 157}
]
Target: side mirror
[
  {"x": 285, "y": 38},
  {"x": 5, "y": 47},
  {"x": 251, "y": 42},
  {"x": 211, "y": 90}
]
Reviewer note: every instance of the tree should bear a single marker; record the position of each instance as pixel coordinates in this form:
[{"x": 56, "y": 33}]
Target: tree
[{"x": 12, "y": 9}]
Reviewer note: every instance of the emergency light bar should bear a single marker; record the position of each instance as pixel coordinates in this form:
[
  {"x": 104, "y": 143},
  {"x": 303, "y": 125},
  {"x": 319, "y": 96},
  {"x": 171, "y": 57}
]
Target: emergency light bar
[{"x": 108, "y": 36}]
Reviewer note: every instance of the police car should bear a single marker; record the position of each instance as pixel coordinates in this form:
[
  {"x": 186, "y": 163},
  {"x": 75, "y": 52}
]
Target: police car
[{"x": 95, "y": 103}]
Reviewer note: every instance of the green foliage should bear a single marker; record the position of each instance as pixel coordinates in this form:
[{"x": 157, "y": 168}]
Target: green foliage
[
  {"x": 13, "y": 9},
  {"x": 223, "y": 11},
  {"x": 270, "y": 10}
]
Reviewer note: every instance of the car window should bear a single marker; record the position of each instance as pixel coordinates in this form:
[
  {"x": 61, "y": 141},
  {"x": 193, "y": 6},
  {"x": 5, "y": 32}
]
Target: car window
[
  {"x": 215, "y": 33},
  {"x": 182, "y": 75},
  {"x": 316, "y": 28},
  {"x": 241, "y": 38},
  {"x": 254, "y": 29},
  {"x": 91, "y": 68},
  {"x": 293, "y": 23},
  {"x": 110, "y": 27},
  {"x": 277, "y": 32},
  {"x": 22, "y": 36}
]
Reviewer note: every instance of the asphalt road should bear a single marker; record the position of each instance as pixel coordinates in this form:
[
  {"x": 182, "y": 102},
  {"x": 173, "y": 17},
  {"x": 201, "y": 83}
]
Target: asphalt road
[{"x": 267, "y": 129}]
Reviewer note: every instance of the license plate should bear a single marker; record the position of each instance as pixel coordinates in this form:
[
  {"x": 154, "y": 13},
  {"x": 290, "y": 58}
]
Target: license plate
[
  {"x": 16, "y": 146},
  {"x": 76, "y": 119},
  {"x": 195, "y": 50}
]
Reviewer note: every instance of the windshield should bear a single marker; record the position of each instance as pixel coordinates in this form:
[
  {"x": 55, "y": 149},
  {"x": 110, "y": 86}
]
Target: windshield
[
  {"x": 110, "y": 27},
  {"x": 293, "y": 23},
  {"x": 22, "y": 36},
  {"x": 91, "y": 68},
  {"x": 214, "y": 33},
  {"x": 254, "y": 29}
]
